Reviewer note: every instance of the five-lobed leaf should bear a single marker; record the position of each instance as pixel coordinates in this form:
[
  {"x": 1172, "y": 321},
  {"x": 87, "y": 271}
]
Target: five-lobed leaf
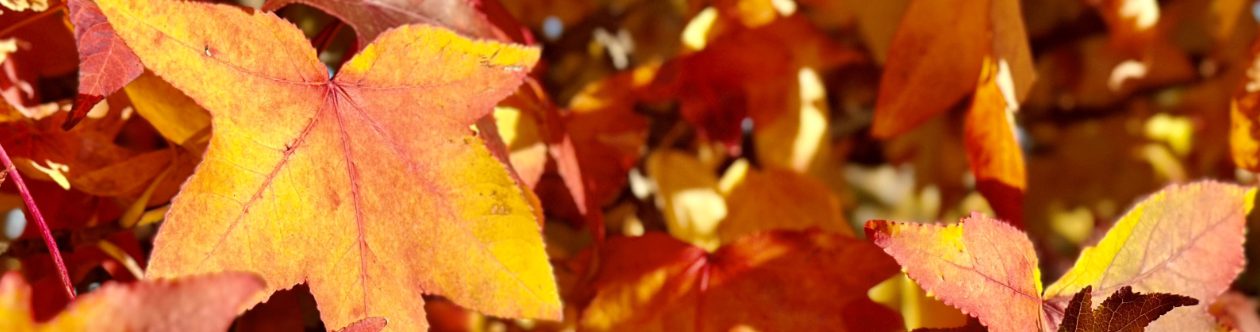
[{"x": 369, "y": 186}]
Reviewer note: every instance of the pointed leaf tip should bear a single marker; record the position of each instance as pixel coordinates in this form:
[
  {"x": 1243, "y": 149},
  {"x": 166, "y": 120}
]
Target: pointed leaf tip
[
  {"x": 1124, "y": 310},
  {"x": 1184, "y": 239},
  {"x": 983, "y": 266},
  {"x": 370, "y": 167}
]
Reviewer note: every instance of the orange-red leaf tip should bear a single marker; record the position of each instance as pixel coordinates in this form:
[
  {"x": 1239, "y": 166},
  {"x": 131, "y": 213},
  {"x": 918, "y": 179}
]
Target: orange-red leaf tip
[{"x": 82, "y": 105}]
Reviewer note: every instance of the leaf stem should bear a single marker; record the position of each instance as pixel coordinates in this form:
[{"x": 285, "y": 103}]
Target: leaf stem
[
  {"x": 31, "y": 19},
  {"x": 39, "y": 220}
]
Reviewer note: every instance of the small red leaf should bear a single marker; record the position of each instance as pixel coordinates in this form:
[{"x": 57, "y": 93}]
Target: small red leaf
[{"x": 106, "y": 64}]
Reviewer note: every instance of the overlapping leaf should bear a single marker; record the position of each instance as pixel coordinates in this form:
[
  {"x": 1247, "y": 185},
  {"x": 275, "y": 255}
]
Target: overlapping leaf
[
  {"x": 202, "y": 303},
  {"x": 1160, "y": 246},
  {"x": 373, "y": 17},
  {"x": 936, "y": 57},
  {"x": 992, "y": 149},
  {"x": 774, "y": 281},
  {"x": 106, "y": 64},
  {"x": 750, "y": 74},
  {"x": 607, "y": 133},
  {"x": 989, "y": 270},
  {"x": 936, "y": 60}
]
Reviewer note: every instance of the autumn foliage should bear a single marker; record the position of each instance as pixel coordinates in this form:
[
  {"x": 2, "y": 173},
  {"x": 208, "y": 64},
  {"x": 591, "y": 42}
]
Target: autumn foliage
[{"x": 630, "y": 165}]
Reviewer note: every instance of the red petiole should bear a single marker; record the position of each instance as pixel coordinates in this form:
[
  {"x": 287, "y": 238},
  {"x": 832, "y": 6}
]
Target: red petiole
[{"x": 39, "y": 220}]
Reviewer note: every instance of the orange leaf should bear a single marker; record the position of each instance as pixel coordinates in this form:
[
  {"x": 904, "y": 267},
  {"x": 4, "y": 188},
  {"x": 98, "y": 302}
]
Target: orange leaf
[
  {"x": 936, "y": 56},
  {"x": 992, "y": 149},
  {"x": 1123, "y": 311},
  {"x": 773, "y": 281},
  {"x": 367, "y": 186},
  {"x": 1244, "y": 110},
  {"x": 980, "y": 265},
  {"x": 607, "y": 134},
  {"x": 203, "y": 303},
  {"x": 1130, "y": 23},
  {"x": 750, "y": 73}
]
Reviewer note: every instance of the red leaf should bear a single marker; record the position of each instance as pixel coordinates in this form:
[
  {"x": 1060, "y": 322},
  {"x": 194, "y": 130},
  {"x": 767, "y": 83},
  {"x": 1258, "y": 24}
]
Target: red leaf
[
  {"x": 106, "y": 64},
  {"x": 773, "y": 281}
]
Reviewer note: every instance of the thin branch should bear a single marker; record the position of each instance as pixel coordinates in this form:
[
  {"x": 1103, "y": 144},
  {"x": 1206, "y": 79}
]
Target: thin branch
[
  {"x": 39, "y": 220},
  {"x": 31, "y": 19}
]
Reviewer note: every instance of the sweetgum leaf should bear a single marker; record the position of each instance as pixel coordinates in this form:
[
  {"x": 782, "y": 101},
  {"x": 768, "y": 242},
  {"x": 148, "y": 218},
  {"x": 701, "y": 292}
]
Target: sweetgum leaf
[
  {"x": 193, "y": 304},
  {"x": 1079, "y": 315},
  {"x": 368, "y": 186},
  {"x": 1124, "y": 310}
]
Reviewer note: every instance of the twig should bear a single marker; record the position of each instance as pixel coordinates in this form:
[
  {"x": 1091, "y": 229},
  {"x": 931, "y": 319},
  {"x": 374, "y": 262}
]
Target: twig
[
  {"x": 31, "y": 19},
  {"x": 39, "y": 220}
]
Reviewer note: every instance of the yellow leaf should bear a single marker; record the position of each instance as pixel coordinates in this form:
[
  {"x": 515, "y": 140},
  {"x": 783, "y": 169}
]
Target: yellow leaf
[{"x": 1186, "y": 239}]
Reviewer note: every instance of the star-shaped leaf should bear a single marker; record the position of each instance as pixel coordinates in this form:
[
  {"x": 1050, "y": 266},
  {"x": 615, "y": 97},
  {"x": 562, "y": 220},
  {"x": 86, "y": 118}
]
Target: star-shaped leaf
[{"x": 369, "y": 186}]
